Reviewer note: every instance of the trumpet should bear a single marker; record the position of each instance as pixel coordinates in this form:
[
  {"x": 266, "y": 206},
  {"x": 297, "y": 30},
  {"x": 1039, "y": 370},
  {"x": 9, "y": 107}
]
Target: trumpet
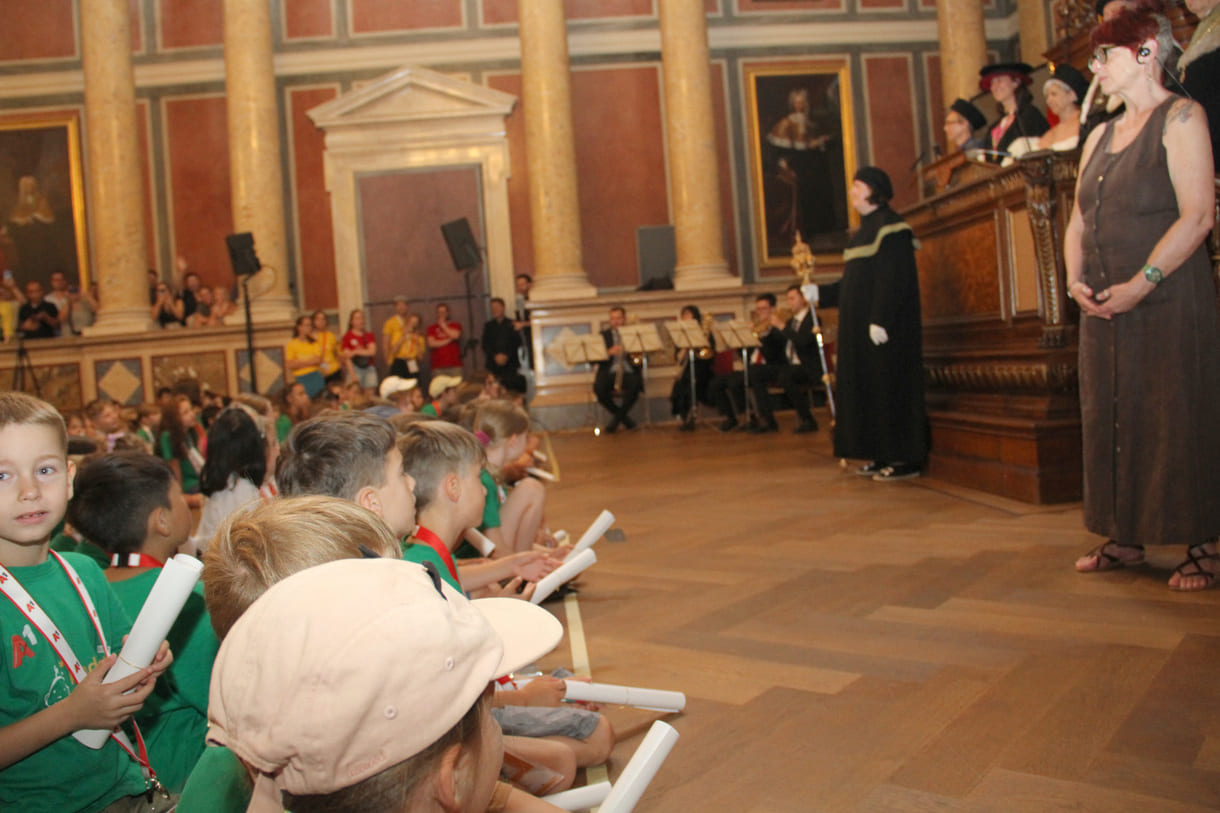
[{"x": 763, "y": 326}]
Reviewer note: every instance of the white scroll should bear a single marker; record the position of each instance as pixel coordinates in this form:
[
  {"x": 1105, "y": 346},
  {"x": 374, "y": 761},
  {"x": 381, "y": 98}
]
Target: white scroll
[
  {"x": 652, "y": 699},
  {"x": 160, "y": 611},
  {"x": 644, "y": 764},
  {"x": 561, "y": 536},
  {"x": 570, "y": 569},
  {"x": 476, "y": 537},
  {"x": 541, "y": 474},
  {"x": 599, "y": 527},
  {"x": 580, "y": 798}
]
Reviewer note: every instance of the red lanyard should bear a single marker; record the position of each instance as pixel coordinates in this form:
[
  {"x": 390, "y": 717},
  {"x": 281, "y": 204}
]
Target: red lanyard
[
  {"x": 135, "y": 560},
  {"x": 25, "y": 604},
  {"x": 433, "y": 541}
]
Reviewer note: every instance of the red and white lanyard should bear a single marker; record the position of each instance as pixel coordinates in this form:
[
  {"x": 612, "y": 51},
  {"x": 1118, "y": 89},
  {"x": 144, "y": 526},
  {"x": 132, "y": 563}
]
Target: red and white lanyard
[
  {"x": 25, "y": 604},
  {"x": 134, "y": 560}
]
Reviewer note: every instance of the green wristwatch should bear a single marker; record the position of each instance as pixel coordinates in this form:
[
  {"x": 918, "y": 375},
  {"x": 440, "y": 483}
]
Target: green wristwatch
[{"x": 1153, "y": 274}]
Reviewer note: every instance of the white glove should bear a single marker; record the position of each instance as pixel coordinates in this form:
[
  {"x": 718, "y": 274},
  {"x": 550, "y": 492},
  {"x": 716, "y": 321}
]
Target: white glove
[
  {"x": 810, "y": 290},
  {"x": 877, "y": 334}
]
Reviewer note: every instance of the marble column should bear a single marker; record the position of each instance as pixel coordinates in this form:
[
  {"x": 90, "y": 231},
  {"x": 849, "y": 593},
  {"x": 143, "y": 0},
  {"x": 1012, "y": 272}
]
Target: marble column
[
  {"x": 114, "y": 186},
  {"x": 256, "y": 177},
  {"x": 694, "y": 183},
  {"x": 550, "y": 151},
  {"x": 963, "y": 48},
  {"x": 1031, "y": 18}
]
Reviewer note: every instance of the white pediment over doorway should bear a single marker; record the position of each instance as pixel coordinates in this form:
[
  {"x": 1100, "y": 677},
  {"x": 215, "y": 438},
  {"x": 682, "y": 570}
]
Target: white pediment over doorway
[
  {"x": 414, "y": 121},
  {"x": 413, "y": 102}
]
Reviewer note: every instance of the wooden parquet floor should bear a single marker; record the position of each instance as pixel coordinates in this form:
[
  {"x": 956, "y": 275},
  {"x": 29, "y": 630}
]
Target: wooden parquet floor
[{"x": 848, "y": 645}]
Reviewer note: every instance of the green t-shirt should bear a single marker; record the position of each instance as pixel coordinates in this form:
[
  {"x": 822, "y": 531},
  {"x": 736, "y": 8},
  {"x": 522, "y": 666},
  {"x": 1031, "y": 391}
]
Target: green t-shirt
[
  {"x": 174, "y": 719},
  {"x": 491, "y": 503},
  {"x": 219, "y": 784},
  {"x": 64, "y": 775},
  {"x": 190, "y": 477},
  {"x": 283, "y": 427},
  {"x": 419, "y": 553},
  {"x": 429, "y": 409}
]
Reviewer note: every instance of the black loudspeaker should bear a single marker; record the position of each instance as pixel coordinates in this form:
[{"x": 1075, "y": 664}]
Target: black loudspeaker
[
  {"x": 656, "y": 256},
  {"x": 241, "y": 254},
  {"x": 462, "y": 246}
]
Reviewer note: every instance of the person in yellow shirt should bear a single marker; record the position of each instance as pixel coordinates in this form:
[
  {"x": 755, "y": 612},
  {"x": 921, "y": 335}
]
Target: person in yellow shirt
[
  {"x": 328, "y": 348},
  {"x": 404, "y": 344},
  {"x": 303, "y": 358}
]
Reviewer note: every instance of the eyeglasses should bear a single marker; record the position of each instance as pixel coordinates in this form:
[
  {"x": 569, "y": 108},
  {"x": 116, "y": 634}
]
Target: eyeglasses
[{"x": 1101, "y": 55}]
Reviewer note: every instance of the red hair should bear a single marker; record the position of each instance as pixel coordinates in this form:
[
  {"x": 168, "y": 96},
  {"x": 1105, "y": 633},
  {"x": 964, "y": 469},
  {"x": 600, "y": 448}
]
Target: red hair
[{"x": 1128, "y": 30}]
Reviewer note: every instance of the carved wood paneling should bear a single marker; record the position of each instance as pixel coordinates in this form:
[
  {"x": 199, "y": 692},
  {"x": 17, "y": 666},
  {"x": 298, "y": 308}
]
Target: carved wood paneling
[{"x": 958, "y": 272}]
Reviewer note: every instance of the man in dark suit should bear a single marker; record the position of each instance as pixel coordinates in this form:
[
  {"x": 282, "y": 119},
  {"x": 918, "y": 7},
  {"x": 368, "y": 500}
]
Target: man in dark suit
[
  {"x": 771, "y": 352},
  {"x": 617, "y": 373},
  {"x": 803, "y": 365},
  {"x": 500, "y": 344}
]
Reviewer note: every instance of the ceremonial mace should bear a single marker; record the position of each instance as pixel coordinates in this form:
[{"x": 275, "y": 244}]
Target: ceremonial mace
[{"x": 802, "y": 266}]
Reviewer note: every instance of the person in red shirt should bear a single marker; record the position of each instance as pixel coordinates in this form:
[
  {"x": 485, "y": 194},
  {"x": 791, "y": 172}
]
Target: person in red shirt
[
  {"x": 359, "y": 351},
  {"x": 445, "y": 344}
]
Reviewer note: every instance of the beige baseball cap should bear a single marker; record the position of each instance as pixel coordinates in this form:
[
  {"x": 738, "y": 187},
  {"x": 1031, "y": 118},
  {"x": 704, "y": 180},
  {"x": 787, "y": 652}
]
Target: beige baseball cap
[
  {"x": 394, "y": 384},
  {"x": 342, "y": 670},
  {"x": 441, "y": 383}
]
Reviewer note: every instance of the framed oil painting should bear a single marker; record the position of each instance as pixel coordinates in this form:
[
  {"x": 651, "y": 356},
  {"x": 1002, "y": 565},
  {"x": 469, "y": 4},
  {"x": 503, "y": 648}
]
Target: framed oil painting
[
  {"x": 802, "y": 155},
  {"x": 42, "y": 204}
]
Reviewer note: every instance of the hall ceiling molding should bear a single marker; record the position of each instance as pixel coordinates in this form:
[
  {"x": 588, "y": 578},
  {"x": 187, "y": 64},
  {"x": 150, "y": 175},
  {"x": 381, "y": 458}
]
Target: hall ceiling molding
[{"x": 501, "y": 49}]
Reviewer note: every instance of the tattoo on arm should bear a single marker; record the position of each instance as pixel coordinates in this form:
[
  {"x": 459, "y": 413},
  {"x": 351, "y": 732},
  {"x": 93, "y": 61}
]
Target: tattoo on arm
[{"x": 1180, "y": 113}]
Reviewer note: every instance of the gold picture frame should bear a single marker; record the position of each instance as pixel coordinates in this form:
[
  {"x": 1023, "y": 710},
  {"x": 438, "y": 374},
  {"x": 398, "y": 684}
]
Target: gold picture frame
[
  {"x": 802, "y": 155},
  {"x": 42, "y": 198}
]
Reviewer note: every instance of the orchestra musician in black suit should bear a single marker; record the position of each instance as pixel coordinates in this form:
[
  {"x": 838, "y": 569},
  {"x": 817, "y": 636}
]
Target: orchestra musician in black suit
[
  {"x": 727, "y": 389},
  {"x": 802, "y": 367},
  {"x": 619, "y": 373}
]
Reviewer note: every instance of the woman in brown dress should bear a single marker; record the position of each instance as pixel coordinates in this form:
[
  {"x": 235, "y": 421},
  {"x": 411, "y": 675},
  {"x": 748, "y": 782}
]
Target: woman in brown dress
[{"x": 1149, "y": 339}]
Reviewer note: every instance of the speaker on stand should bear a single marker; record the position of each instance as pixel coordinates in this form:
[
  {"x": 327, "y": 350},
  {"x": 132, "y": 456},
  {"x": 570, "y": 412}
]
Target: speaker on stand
[
  {"x": 467, "y": 257},
  {"x": 245, "y": 264}
]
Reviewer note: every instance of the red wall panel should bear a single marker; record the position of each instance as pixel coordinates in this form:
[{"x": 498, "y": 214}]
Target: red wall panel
[
  {"x": 505, "y": 11},
  {"x": 936, "y": 101},
  {"x": 190, "y": 23},
  {"x": 37, "y": 29},
  {"x": 883, "y": 4},
  {"x": 137, "y": 31},
  {"x": 375, "y": 16},
  {"x": 790, "y": 5},
  {"x": 197, "y": 148},
  {"x": 315, "y": 234},
  {"x": 620, "y": 164},
  {"x": 724, "y": 161},
  {"x": 891, "y": 118},
  {"x": 308, "y": 18},
  {"x": 518, "y": 183}
]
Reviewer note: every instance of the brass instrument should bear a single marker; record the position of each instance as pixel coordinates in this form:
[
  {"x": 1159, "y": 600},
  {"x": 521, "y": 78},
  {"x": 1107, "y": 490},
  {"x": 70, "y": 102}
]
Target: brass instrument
[{"x": 705, "y": 353}]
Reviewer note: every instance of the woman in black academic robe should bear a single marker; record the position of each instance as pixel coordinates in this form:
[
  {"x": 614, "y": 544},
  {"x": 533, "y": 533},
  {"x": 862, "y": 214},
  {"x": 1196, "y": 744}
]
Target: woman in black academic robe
[
  {"x": 880, "y": 387},
  {"x": 1008, "y": 83}
]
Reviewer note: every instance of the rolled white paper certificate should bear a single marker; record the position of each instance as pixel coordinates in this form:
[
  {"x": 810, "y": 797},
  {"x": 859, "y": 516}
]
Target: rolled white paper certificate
[
  {"x": 160, "y": 611},
  {"x": 485, "y": 545},
  {"x": 653, "y": 699},
  {"x": 599, "y": 527},
  {"x": 571, "y": 567},
  {"x": 580, "y": 798},
  {"x": 540, "y": 474},
  {"x": 644, "y": 764}
]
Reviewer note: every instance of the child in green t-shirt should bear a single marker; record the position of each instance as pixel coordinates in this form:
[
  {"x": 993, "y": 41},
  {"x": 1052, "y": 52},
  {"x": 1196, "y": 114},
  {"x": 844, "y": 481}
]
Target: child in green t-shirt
[
  {"x": 132, "y": 505},
  {"x": 52, "y": 686}
]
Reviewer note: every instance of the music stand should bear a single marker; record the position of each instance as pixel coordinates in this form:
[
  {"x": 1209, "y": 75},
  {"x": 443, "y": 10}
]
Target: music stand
[
  {"x": 640, "y": 340},
  {"x": 587, "y": 350},
  {"x": 738, "y": 334},
  {"x": 686, "y": 334}
]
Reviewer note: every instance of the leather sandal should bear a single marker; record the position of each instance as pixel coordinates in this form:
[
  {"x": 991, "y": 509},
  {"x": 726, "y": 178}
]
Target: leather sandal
[
  {"x": 1104, "y": 560},
  {"x": 1196, "y": 555}
]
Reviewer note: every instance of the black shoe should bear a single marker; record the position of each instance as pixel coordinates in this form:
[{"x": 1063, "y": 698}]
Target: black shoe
[
  {"x": 870, "y": 469},
  {"x": 765, "y": 428},
  {"x": 805, "y": 427},
  {"x": 611, "y": 427},
  {"x": 897, "y": 471},
  {"x": 728, "y": 425},
  {"x": 687, "y": 425},
  {"x": 628, "y": 423}
]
